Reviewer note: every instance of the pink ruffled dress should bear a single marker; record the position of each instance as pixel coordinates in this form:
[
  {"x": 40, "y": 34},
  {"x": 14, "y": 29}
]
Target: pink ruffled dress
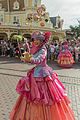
[
  {"x": 65, "y": 58},
  {"x": 42, "y": 95}
]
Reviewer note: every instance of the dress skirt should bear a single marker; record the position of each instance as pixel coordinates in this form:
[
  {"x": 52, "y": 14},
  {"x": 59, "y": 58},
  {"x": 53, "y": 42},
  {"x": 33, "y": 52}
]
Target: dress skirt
[
  {"x": 65, "y": 59},
  {"x": 41, "y": 99}
]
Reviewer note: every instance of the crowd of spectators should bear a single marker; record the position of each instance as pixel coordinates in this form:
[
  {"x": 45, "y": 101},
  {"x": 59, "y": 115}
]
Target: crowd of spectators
[
  {"x": 15, "y": 49},
  {"x": 11, "y": 48},
  {"x": 54, "y": 49}
]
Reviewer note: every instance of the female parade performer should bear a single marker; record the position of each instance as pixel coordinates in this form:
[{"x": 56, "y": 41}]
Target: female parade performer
[
  {"x": 65, "y": 58},
  {"x": 42, "y": 95}
]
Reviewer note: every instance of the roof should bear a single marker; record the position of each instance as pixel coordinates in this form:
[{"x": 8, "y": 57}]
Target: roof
[{"x": 53, "y": 20}]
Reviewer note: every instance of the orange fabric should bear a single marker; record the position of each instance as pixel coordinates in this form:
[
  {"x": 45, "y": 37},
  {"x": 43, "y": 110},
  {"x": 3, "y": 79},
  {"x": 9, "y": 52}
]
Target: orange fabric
[{"x": 31, "y": 111}]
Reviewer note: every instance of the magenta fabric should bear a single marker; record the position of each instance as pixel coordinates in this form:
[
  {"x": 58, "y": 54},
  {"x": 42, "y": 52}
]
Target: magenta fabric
[
  {"x": 65, "y": 53},
  {"x": 47, "y": 90}
]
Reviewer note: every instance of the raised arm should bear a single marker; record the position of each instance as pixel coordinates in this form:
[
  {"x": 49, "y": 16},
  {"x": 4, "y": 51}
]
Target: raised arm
[{"x": 40, "y": 57}]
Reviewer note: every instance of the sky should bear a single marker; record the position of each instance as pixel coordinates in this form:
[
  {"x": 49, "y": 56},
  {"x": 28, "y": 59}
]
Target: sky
[{"x": 69, "y": 10}]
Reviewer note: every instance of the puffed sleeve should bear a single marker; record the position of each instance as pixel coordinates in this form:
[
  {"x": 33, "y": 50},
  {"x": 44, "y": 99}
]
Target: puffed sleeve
[{"x": 41, "y": 56}]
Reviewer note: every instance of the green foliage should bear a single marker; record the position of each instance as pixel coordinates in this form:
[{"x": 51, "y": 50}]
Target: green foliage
[
  {"x": 75, "y": 30},
  {"x": 17, "y": 37}
]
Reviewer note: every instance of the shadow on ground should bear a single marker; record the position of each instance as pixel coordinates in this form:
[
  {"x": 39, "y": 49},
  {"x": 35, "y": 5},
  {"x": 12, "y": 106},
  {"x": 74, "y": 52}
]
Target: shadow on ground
[{"x": 53, "y": 64}]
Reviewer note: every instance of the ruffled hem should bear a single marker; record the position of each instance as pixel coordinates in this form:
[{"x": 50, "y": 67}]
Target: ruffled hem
[
  {"x": 46, "y": 90},
  {"x": 66, "y": 63},
  {"x": 30, "y": 111},
  {"x": 65, "y": 60}
]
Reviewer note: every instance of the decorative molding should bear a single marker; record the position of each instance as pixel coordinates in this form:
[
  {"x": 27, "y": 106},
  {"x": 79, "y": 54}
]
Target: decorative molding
[{"x": 16, "y": 5}]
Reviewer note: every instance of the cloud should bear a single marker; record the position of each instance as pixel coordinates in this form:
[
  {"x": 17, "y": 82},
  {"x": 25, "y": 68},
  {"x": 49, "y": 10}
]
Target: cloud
[{"x": 69, "y": 10}]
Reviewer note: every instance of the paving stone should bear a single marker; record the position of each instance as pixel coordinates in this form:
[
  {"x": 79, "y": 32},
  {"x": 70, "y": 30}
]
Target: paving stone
[{"x": 11, "y": 71}]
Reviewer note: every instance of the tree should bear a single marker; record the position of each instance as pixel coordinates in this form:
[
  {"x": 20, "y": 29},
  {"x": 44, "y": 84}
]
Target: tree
[{"x": 75, "y": 30}]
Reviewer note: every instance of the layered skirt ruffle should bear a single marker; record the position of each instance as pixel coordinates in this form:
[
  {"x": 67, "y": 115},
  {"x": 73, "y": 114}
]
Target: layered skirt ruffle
[
  {"x": 65, "y": 59},
  {"x": 41, "y": 99},
  {"x": 31, "y": 111}
]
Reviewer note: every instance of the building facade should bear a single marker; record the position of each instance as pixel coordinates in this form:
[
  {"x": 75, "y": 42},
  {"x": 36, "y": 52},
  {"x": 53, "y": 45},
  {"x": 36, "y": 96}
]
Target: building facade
[
  {"x": 23, "y": 17},
  {"x": 57, "y": 22}
]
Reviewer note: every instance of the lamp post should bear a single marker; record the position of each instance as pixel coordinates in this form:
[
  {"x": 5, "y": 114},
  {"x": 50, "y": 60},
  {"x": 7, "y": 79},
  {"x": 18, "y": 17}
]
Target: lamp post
[
  {"x": 18, "y": 28},
  {"x": 19, "y": 34}
]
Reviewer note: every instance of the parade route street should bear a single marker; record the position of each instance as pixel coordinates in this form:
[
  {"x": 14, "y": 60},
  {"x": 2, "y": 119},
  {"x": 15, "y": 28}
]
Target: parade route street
[{"x": 11, "y": 70}]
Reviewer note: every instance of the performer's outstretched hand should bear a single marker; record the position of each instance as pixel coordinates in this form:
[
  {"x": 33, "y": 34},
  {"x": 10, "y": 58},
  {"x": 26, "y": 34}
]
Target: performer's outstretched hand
[{"x": 27, "y": 57}]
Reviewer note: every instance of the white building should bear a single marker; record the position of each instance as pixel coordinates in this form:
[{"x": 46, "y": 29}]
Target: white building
[{"x": 15, "y": 17}]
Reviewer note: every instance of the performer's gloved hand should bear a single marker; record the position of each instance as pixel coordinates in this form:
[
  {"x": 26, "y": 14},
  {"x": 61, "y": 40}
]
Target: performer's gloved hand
[{"x": 27, "y": 57}]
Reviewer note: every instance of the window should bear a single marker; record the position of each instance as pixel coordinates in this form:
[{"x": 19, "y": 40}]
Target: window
[
  {"x": 16, "y": 5},
  {"x": 35, "y": 3},
  {"x": 1, "y": 18},
  {"x": 16, "y": 20},
  {"x": 0, "y": 6}
]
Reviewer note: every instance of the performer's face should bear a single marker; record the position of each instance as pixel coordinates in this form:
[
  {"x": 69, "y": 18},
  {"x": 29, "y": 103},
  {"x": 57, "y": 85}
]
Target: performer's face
[{"x": 37, "y": 42}]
